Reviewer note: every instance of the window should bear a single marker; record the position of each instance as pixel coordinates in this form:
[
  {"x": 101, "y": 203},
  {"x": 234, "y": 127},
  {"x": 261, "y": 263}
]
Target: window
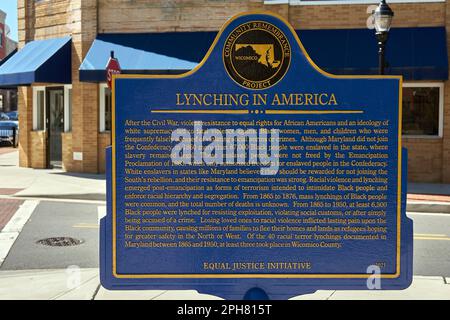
[
  {"x": 105, "y": 108},
  {"x": 39, "y": 108},
  {"x": 67, "y": 108},
  {"x": 422, "y": 109}
]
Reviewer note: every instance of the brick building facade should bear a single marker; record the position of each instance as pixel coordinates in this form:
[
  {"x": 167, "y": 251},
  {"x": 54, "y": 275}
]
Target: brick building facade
[
  {"x": 8, "y": 96},
  {"x": 85, "y": 133},
  {"x": 2, "y": 35}
]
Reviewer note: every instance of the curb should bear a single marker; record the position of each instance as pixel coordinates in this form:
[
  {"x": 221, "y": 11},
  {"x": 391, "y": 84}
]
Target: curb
[{"x": 428, "y": 206}]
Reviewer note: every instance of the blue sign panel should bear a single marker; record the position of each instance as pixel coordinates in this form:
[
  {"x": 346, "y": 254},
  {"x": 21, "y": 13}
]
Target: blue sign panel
[{"x": 256, "y": 174}]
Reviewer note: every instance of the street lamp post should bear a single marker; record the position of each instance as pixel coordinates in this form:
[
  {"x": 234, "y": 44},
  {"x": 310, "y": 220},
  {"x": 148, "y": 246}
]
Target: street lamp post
[{"x": 382, "y": 20}]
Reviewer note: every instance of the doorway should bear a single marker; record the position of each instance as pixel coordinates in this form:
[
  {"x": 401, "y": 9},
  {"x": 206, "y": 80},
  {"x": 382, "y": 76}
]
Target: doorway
[{"x": 55, "y": 125}]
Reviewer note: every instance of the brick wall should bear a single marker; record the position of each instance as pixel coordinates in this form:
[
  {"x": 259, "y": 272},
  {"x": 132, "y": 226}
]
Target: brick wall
[
  {"x": 163, "y": 16},
  {"x": 104, "y": 140},
  {"x": 47, "y": 19},
  {"x": 355, "y": 16},
  {"x": 84, "y": 95},
  {"x": 67, "y": 152},
  {"x": 446, "y": 133},
  {"x": 424, "y": 159},
  {"x": 174, "y": 15},
  {"x": 38, "y": 156},
  {"x": 24, "y": 101}
]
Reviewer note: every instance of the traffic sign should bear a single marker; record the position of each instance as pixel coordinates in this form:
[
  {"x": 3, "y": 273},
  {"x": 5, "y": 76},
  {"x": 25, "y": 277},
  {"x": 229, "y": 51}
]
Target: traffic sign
[{"x": 113, "y": 67}]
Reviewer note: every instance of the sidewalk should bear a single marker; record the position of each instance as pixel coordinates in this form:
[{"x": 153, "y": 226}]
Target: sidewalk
[
  {"x": 48, "y": 183},
  {"x": 85, "y": 285}
]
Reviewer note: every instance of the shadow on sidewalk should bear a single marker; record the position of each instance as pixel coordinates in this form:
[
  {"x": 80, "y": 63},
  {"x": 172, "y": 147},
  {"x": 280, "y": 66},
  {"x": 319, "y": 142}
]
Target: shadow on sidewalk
[{"x": 81, "y": 175}]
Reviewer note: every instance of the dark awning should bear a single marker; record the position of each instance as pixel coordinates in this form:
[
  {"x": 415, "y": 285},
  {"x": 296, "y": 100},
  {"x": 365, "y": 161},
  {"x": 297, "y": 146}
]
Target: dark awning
[
  {"x": 415, "y": 53},
  {"x": 46, "y": 61},
  {"x": 168, "y": 53}
]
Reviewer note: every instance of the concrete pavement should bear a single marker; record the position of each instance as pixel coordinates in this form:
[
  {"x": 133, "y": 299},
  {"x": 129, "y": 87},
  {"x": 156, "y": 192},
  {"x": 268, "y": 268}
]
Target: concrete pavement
[
  {"x": 83, "y": 284},
  {"x": 48, "y": 183}
]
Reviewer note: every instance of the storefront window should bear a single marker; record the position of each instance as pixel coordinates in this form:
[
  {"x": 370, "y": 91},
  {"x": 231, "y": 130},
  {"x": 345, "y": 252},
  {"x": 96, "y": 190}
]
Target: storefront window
[
  {"x": 39, "y": 109},
  {"x": 421, "y": 110},
  {"x": 105, "y": 108}
]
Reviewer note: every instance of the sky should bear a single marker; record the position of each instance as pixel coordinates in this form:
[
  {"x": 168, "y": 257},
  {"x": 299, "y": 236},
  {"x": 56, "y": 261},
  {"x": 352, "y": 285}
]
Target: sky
[{"x": 10, "y": 7}]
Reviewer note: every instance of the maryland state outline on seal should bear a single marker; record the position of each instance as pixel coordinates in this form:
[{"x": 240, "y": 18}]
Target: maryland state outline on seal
[{"x": 256, "y": 55}]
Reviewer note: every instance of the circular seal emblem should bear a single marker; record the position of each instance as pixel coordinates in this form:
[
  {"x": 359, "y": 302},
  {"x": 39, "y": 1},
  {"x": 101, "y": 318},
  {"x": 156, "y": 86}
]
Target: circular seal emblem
[{"x": 257, "y": 55}]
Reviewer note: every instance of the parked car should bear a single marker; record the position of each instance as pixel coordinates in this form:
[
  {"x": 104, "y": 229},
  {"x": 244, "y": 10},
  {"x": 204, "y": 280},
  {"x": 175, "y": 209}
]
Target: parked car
[
  {"x": 9, "y": 131},
  {"x": 3, "y": 116},
  {"x": 13, "y": 115}
]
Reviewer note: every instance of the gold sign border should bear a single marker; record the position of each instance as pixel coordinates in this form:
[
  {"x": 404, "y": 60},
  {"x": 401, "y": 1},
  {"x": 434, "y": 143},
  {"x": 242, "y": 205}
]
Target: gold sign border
[{"x": 252, "y": 275}]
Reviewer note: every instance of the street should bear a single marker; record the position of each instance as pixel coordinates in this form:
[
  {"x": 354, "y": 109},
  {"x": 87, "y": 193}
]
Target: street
[
  {"x": 431, "y": 244},
  {"x": 56, "y": 219}
]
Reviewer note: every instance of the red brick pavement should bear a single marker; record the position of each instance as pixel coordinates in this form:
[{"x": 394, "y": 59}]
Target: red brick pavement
[
  {"x": 4, "y": 150},
  {"x": 9, "y": 191},
  {"x": 7, "y": 209}
]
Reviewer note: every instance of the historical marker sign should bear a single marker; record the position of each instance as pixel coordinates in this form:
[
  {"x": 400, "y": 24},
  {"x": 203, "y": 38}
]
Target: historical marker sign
[{"x": 256, "y": 170}]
